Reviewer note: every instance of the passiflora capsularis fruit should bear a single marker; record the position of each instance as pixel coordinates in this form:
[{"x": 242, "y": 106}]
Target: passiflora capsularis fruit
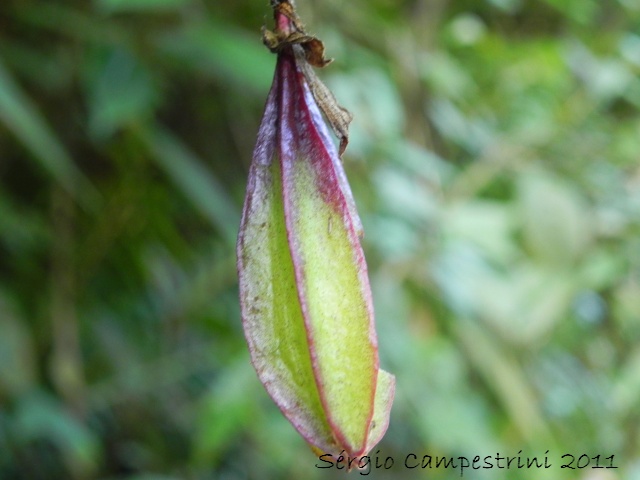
[{"x": 304, "y": 290}]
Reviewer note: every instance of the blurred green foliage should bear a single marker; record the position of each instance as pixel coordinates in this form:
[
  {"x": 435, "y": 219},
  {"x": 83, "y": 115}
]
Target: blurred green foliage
[{"x": 495, "y": 161}]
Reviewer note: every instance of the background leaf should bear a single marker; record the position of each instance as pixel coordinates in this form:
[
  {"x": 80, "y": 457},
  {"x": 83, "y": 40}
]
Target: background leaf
[{"x": 22, "y": 118}]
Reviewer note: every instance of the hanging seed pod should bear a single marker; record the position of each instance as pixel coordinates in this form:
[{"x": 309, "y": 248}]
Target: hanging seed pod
[{"x": 304, "y": 291}]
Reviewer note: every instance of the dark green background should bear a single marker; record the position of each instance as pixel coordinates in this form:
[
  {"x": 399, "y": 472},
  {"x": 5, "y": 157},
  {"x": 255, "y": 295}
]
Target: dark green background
[{"x": 494, "y": 158}]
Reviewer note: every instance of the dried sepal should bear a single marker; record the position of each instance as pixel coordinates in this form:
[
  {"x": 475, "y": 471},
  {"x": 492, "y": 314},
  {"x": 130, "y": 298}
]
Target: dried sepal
[{"x": 308, "y": 52}]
